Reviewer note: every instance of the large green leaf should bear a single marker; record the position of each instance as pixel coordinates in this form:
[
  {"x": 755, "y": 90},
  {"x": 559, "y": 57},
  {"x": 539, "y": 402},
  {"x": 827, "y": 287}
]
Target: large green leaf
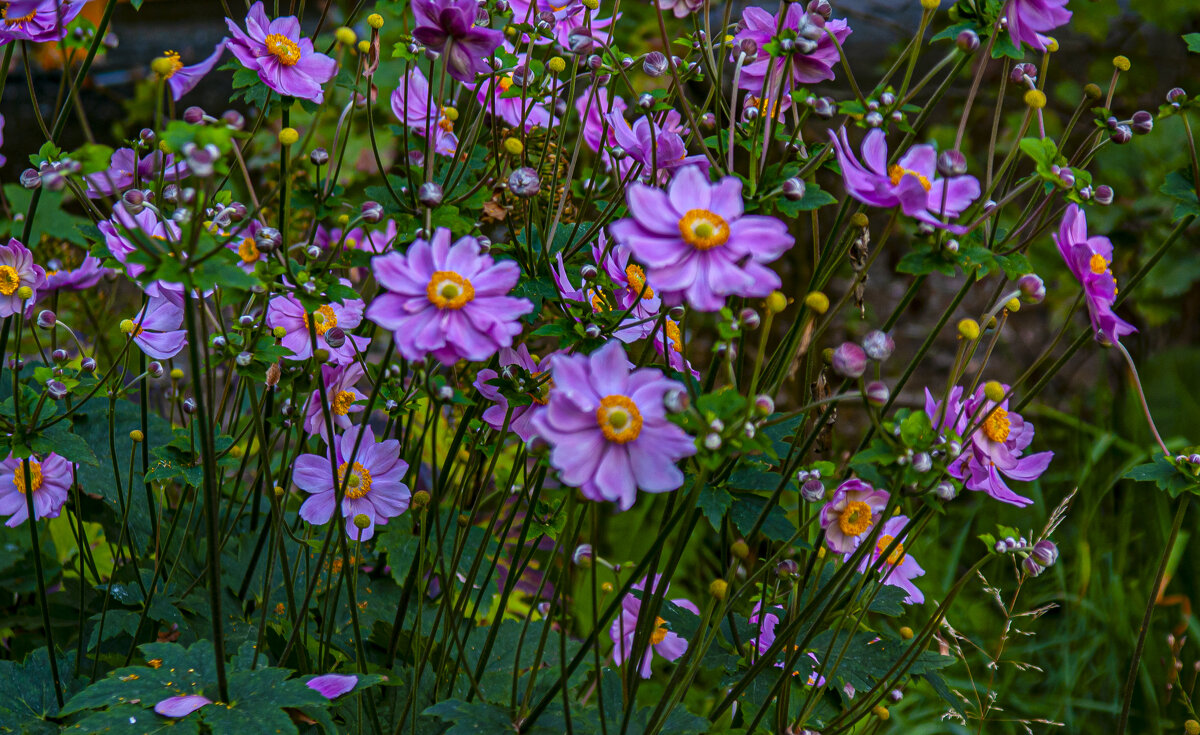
[{"x": 27, "y": 692}]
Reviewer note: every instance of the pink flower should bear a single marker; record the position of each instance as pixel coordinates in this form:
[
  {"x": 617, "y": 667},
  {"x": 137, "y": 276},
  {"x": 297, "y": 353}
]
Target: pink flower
[
  {"x": 412, "y": 105},
  {"x": 182, "y": 705},
  {"x": 38, "y": 21},
  {"x": 995, "y": 448},
  {"x": 900, "y": 568},
  {"x": 17, "y": 271},
  {"x": 592, "y": 108},
  {"x": 447, "y": 301},
  {"x": 608, "y": 429},
  {"x": 285, "y": 311},
  {"x": 1089, "y": 259},
  {"x": 3, "y": 160},
  {"x": 183, "y": 79},
  {"x": 370, "y": 241},
  {"x": 812, "y": 56},
  {"x": 156, "y": 328},
  {"x": 698, "y": 244},
  {"x": 343, "y": 399},
  {"x": 1027, "y": 19},
  {"x": 630, "y": 292},
  {"x": 124, "y": 234},
  {"x": 374, "y": 479},
  {"x": 332, "y": 686},
  {"x": 529, "y": 112},
  {"x": 87, "y": 275},
  {"x": 284, "y": 61},
  {"x": 656, "y": 147},
  {"x": 448, "y": 26},
  {"x": 662, "y": 642},
  {"x": 127, "y": 168},
  {"x": 851, "y": 513},
  {"x": 535, "y": 374},
  {"x": 50, "y": 479},
  {"x": 764, "y": 624}
]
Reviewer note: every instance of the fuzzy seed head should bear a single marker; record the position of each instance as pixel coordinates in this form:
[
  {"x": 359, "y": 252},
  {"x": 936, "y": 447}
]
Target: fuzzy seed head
[
  {"x": 288, "y": 136},
  {"x": 1035, "y": 98},
  {"x": 968, "y": 329}
]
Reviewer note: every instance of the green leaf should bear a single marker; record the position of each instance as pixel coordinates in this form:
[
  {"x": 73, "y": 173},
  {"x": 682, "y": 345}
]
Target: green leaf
[
  {"x": 50, "y": 218},
  {"x": 814, "y": 198},
  {"x": 60, "y": 440},
  {"x": 475, "y": 717},
  {"x": 257, "y": 700},
  {"x": 714, "y": 502},
  {"x": 746, "y": 510},
  {"x": 916, "y": 431},
  {"x": 124, "y": 718},
  {"x": 27, "y": 692},
  {"x": 1193, "y": 42},
  {"x": 1166, "y": 475},
  {"x": 179, "y": 671},
  {"x": 1178, "y": 187}
]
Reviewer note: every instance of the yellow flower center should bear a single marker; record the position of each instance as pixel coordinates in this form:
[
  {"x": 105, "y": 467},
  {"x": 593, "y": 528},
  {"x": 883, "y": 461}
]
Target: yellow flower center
[
  {"x": 660, "y": 633},
  {"x": 619, "y": 419},
  {"x": 10, "y": 280},
  {"x": 19, "y": 20},
  {"x": 541, "y": 394},
  {"x": 703, "y": 230},
  {"x": 448, "y": 290},
  {"x": 505, "y": 82},
  {"x": 341, "y": 403},
  {"x": 446, "y": 123},
  {"x": 284, "y": 49},
  {"x": 324, "y": 319},
  {"x": 1098, "y": 264},
  {"x": 598, "y": 302},
  {"x": 674, "y": 336},
  {"x": 359, "y": 482},
  {"x": 248, "y": 251},
  {"x": 637, "y": 280},
  {"x": 855, "y": 518},
  {"x": 168, "y": 65},
  {"x": 35, "y": 476},
  {"x": 897, "y": 554},
  {"x": 996, "y": 425},
  {"x": 898, "y": 172}
]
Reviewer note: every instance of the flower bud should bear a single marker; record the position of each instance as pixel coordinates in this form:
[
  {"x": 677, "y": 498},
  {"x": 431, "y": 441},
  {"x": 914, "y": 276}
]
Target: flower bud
[
  {"x": 878, "y": 345},
  {"x": 873, "y": 119},
  {"x": 712, "y": 442},
  {"x": 430, "y": 194},
  {"x": 56, "y": 390},
  {"x": 849, "y": 360},
  {"x": 59, "y": 356},
  {"x": 583, "y": 556},
  {"x": 825, "y": 108},
  {"x": 740, "y": 549},
  {"x": 155, "y": 369},
  {"x": 30, "y": 178},
  {"x": 922, "y": 462},
  {"x": 1104, "y": 194},
  {"x": 794, "y": 189},
  {"x": 967, "y": 41},
  {"x": 88, "y": 365},
  {"x": 1045, "y": 553},
  {"x": 1176, "y": 95},
  {"x": 46, "y": 319},
  {"x": 193, "y": 115},
  {"x": 749, "y": 318},
  {"x": 233, "y": 119},
  {"x": 1142, "y": 122},
  {"x": 362, "y": 520},
  {"x": 335, "y": 337},
  {"x": 817, "y": 301},
  {"x": 968, "y": 329},
  {"x": 219, "y": 342},
  {"x": 675, "y": 401},
  {"x": 951, "y": 163},
  {"x": 719, "y": 588},
  {"x": 372, "y": 212},
  {"x": 134, "y": 201},
  {"x": 945, "y": 490},
  {"x": 1122, "y": 135},
  {"x": 524, "y": 182},
  {"x": 655, "y": 64},
  {"x": 764, "y": 405},
  {"x": 1031, "y": 567},
  {"x": 267, "y": 239},
  {"x": 877, "y": 393}
]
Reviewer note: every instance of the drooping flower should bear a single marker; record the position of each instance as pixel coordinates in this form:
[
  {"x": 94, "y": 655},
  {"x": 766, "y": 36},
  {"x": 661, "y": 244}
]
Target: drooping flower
[
  {"x": 672, "y": 349},
  {"x": 50, "y": 479},
  {"x": 1090, "y": 260},
  {"x": 608, "y": 429},
  {"x": 1029, "y": 19},
  {"x": 592, "y": 107},
  {"x": 655, "y": 147},
  {"x": 520, "y": 423},
  {"x": 697, "y": 243},
  {"x": 812, "y": 56},
  {"x": 183, "y": 79},
  {"x": 82, "y": 278},
  {"x": 851, "y": 513},
  {"x": 181, "y": 705},
  {"x": 242, "y": 241},
  {"x": 413, "y": 106},
  {"x": 448, "y": 301},
  {"x": 995, "y": 448},
  {"x": 358, "y": 238},
  {"x": 332, "y": 686},
  {"x": 681, "y": 8},
  {"x": 900, "y": 568},
  {"x": 374, "y": 480},
  {"x": 156, "y": 328},
  {"x": 662, "y": 642},
  {"x": 123, "y": 232},
  {"x": 910, "y": 184},
  {"x": 448, "y": 26},
  {"x": 630, "y": 295},
  {"x": 343, "y": 397},
  {"x": 284, "y": 60},
  {"x": 17, "y": 270},
  {"x": 287, "y": 312},
  {"x": 37, "y": 21},
  {"x": 123, "y": 166},
  {"x": 764, "y": 624}
]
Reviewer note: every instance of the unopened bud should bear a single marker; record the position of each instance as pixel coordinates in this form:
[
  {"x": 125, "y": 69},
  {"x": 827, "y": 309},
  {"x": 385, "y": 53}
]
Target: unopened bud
[
  {"x": 46, "y": 319},
  {"x": 878, "y": 345},
  {"x": 951, "y": 163},
  {"x": 967, "y": 41},
  {"x": 877, "y": 393},
  {"x": 524, "y": 182},
  {"x": 849, "y": 360}
]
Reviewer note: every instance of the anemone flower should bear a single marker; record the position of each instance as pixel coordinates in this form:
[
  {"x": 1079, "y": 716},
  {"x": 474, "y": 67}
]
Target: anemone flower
[
  {"x": 662, "y": 642},
  {"x": 156, "y": 330},
  {"x": 17, "y": 271},
  {"x": 412, "y": 106},
  {"x": 127, "y": 168},
  {"x": 1029, "y": 19},
  {"x": 812, "y": 54},
  {"x": 183, "y": 79},
  {"x": 50, "y": 479},
  {"x": 521, "y": 420},
  {"x": 343, "y": 399},
  {"x": 283, "y": 60},
  {"x": 38, "y": 21},
  {"x": 900, "y": 568},
  {"x": 851, "y": 513},
  {"x": 448, "y": 26},
  {"x": 286, "y": 311},
  {"x": 1090, "y": 261}
]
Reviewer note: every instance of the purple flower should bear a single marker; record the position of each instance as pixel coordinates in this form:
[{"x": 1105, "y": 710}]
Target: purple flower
[
  {"x": 570, "y": 17},
  {"x": 448, "y": 26},
  {"x": 181, "y": 706},
  {"x": 343, "y": 397},
  {"x": 851, "y": 514},
  {"x": 674, "y": 355},
  {"x": 655, "y": 147},
  {"x": 697, "y": 243},
  {"x": 630, "y": 292},
  {"x": 285, "y": 311},
  {"x": 183, "y": 79},
  {"x": 909, "y": 184},
  {"x": 995, "y": 449},
  {"x": 123, "y": 232},
  {"x": 374, "y": 480},
  {"x": 900, "y": 568},
  {"x": 592, "y": 108},
  {"x": 156, "y": 328},
  {"x": 285, "y": 62},
  {"x": 3, "y": 160},
  {"x": 18, "y": 270},
  {"x": 662, "y": 642},
  {"x": 608, "y": 429},
  {"x": 123, "y": 166},
  {"x": 412, "y": 105},
  {"x": 39, "y": 21},
  {"x": 813, "y": 53},
  {"x": 332, "y": 686},
  {"x": 371, "y": 241},
  {"x": 520, "y": 423},
  {"x": 682, "y": 8},
  {"x": 515, "y": 111},
  {"x": 764, "y": 624},
  {"x": 88, "y": 274},
  {"x": 447, "y": 300},
  {"x": 242, "y": 241},
  {"x": 1028, "y": 19},
  {"x": 50, "y": 479},
  {"x": 1089, "y": 259}
]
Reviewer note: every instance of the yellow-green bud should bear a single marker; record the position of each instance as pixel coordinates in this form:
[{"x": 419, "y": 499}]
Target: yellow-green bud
[
  {"x": 858, "y": 219},
  {"x": 343, "y": 219},
  {"x": 136, "y": 436},
  {"x": 126, "y": 326},
  {"x": 345, "y": 36},
  {"x": 776, "y": 302},
  {"x": 881, "y": 712},
  {"x": 906, "y": 633},
  {"x": 176, "y": 374},
  {"x": 25, "y": 293},
  {"x": 1092, "y": 91},
  {"x": 1121, "y": 62},
  {"x": 321, "y": 354},
  {"x": 968, "y": 329},
  {"x": 279, "y": 491},
  {"x": 817, "y": 301},
  {"x": 450, "y": 113},
  {"x": 591, "y": 4},
  {"x": 718, "y": 589},
  {"x": 279, "y": 332},
  {"x": 556, "y": 65},
  {"x": 514, "y": 146},
  {"x": 375, "y": 20},
  {"x": 1191, "y": 727},
  {"x": 606, "y": 587},
  {"x": 236, "y": 451},
  {"x": 740, "y": 549},
  {"x": 1014, "y": 304},
  {"x": 1035, "y": 98},
  {"x": 364, "y": 46},
  {"x": 288, "y": 136},
  {"x": 930, "y": 4},
  {"x": 362, "y": 520},
  {"x": 420, "y": 499},
  {"x": 1051, "y": 44},
  {"x": 994, "y": 391}
]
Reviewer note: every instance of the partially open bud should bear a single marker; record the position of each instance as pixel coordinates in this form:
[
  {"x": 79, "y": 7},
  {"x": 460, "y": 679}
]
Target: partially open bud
[
  {"x": 335, "y": 337},
  {"x": 1045, "y": 552},
  {"x": 372, "y": 212},
  {"x": 524, "y": 182},
  {"x": 655, "y": 64},
  {"x": 56, "y": 390},
  {"x": 583, "y": 556},
  {"x": 967, "y": 41},
  {"x": 794, "y": 189},
  {"x": 1142, "y": 122},
  {"x": 951, "y": 163},
  {"x": 849, "y": 360},
  {"x": 877, "y": 393},
  {"x": 155, "y": 369},
  {"x": 878, "y": 345},
  {"x": 430, "y": 194}
]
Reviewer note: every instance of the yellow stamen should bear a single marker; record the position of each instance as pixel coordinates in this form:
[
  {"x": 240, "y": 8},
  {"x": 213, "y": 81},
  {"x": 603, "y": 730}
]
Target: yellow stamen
[
  {"x": 448, "y": 290},
  {"x": 506, "y": 82},
  {"x": 897, "y": 554},
  {"x": 10, "y": 280},
  {"x": 248, "y": 251},
  {"x": 997, "y": 426},
  {"x": 19, "y": 20},
  {"x": 170, "y": 64},
  {"x": 284, "y": 49},
  {"x": 445, "y": 123},
  {"x": 898, "y": 172},
  {"x": 359, "y": 483},
  {"x": 341, "y": 403},
  {"x": 324, "y": 318},
  {"x": 1098, "y": 264},
  {"x": 660, "y": 633},
  {"x": 35, "y": 476},
  {"x": 675, "y": 337},
  {"x": 619, "y": 419},
  {"x": 855, "y": 518},
  {"x": 703, "y": 230},
  {"x": 637, "y": 280}
]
